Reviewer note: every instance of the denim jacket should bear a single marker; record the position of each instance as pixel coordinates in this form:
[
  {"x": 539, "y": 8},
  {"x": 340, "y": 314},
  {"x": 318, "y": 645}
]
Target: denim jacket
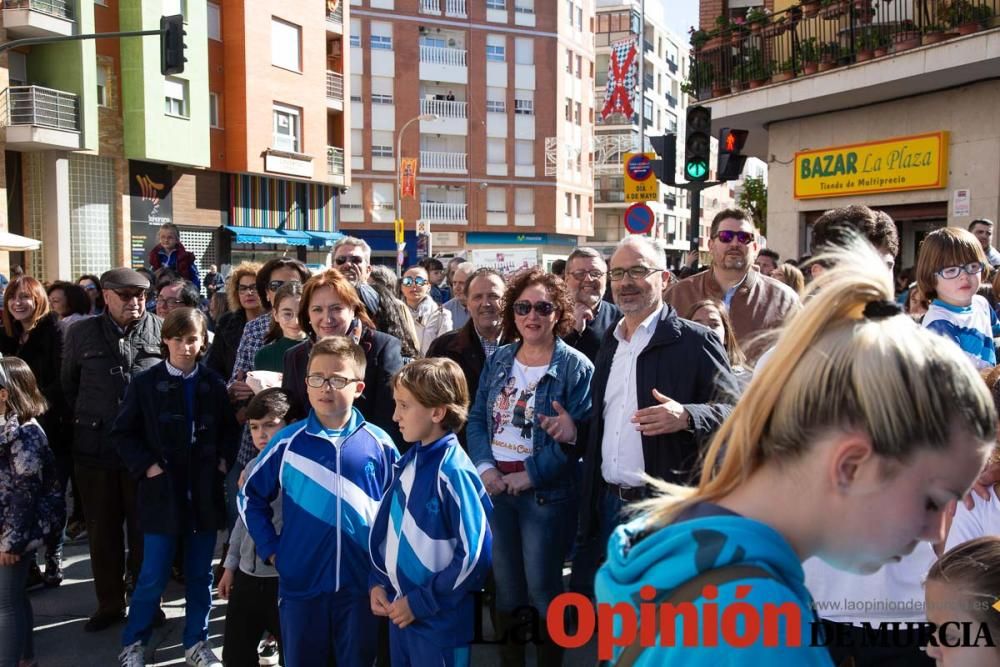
[{"x": 567, "y": 381}]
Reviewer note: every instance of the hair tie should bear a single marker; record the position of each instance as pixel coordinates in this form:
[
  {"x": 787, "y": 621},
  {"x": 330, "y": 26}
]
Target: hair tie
[{"x": 879, "y": 310}]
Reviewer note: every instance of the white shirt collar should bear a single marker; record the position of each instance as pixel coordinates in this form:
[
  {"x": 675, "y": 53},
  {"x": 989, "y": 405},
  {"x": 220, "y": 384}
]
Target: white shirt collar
[
  {"x": 646, "y": 324},
  {"x": 176, "y": 372}
]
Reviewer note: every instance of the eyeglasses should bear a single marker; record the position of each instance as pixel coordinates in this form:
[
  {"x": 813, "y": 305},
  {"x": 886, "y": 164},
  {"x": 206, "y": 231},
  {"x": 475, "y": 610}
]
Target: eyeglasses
[
  {"x": 128, "y": 295},
  {"x": 172, "y": 303},
  {"x": 410, "y": 281},
  {"x": 727, "y": 236},
  {"x": 634, "y": 272},
  {"x": 543, "y": 308},
  {"x": 334, "y": 381},
  {"x": 353, "y": 259},
  {"x": 90, "y": 288},
  {"x": 247, "y": 289},
  {"x": 581, "y": 275},
  {"x": 275, "y": 284},
  {"x": 949, "y": 272}
]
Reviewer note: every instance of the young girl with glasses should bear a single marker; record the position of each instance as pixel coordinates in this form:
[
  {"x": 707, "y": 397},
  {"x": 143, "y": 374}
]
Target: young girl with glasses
[
  {"x": 285, "y": 332},
  {"x": 949, "y": 272}
]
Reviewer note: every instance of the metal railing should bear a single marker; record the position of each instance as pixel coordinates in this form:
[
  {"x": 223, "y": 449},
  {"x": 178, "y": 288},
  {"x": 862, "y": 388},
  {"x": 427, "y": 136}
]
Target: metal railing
[
  {"x": 442, "y": 55},
  {"x": 337, "y": 15},
  {"x": 60, "y": 8},
  {"x": 430, "y": 7},
  {"x": 445, "y": 108},
  {"x": 41, "y": 107},
  {"x": 442, "y": 161},
  {"x": 454, "y": 8},
  {"x": 605, "y": 195},
  {"x": 448, "y": 7},
  {"x": 334, "y": 161},
  {"x": 671, "y": 100},
  {"x": 441, "y": 212},
  {"x": 818, "y": 35},
  {"x": 335, "y": 86}
]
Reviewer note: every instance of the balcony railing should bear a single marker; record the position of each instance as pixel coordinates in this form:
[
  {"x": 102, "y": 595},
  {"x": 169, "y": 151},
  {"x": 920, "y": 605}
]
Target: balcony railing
[
  {"x": 442, "y": 55},
  {"x": 606, "y": 195},
  {"x": 819, "y": 35},
  {"x": 448, "y": 7},
  {"x": 445, "y": 108},
  {"x": 671, "y": 100},
  {"x": 441, "y": 212},
  {"x": 40, "y": 107},
  {"x": 442, "y": 161},
  {"x": 60, "y": 8},
  {"x": 335, "y": 86},
  {"x": 337, "y": 15},
  {"x": 334, "y": 161}
]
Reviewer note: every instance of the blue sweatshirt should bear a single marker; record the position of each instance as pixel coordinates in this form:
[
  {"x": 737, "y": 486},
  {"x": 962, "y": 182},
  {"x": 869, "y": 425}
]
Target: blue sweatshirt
[
  {"x": 330, "y": 482},
  {"x": 431, "y": 540},
  {"x": 668, "y": 557},
  {"x": 973, "y": 327}
]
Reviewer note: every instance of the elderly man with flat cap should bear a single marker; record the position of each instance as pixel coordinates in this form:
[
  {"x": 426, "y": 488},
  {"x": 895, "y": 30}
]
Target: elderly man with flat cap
[{"x": 100, "y": 357}]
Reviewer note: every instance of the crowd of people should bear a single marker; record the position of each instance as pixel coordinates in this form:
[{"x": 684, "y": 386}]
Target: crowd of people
[{"x": 381, "y": 455}]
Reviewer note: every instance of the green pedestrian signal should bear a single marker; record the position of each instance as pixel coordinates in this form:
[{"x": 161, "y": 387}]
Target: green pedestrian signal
[
  {"x": 698, "y": 143},
  {"x": 696, "y": 170}
]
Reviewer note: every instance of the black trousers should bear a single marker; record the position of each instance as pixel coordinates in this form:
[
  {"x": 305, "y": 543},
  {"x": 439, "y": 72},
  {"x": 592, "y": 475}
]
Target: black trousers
[
  {"x": 110, "y": 506},
  {"x": 252, "y": 611}
]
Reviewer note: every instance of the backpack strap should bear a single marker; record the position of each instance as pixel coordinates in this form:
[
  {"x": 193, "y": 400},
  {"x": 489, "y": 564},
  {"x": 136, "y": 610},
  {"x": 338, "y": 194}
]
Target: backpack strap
[{"x": 689, "y": 591}]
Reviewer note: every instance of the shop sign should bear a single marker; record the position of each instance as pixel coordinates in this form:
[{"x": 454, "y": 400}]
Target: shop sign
[{"x": 918, "y": 162}]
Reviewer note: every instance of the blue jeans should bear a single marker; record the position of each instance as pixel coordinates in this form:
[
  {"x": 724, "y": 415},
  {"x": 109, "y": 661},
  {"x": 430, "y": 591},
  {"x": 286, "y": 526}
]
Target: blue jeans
[
  {"x": 16, "y": 619},
  {"x": 158, "y": 556},
  {"x": 529, "y": 543},
  {"x": 591, "y": 551}
]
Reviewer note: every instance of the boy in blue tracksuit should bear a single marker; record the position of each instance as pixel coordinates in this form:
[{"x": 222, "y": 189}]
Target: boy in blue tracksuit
[
  {"x": 431, "y": 540},
  {"x": 331, "y": 471}
]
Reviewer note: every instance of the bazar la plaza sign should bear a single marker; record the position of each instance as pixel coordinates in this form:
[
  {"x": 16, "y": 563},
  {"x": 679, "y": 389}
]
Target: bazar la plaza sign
[{"x": 918, "y": 162}]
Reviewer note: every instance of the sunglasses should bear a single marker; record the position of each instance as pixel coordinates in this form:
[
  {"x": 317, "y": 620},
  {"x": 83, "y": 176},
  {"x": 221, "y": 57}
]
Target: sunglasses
[
  {"x": 409, "y": 281},
  {"x": 543, "y": 308},
  {"x": 90, "y": 288},
  {"x": 334, "y": 381},
  {"x": 275, "y": 284},
  {"x": 727, "y": 236},
  {"x": 128, "y": 295},
  {"x": 353, "y": 259},
  {"x": 949, "y": 272}
]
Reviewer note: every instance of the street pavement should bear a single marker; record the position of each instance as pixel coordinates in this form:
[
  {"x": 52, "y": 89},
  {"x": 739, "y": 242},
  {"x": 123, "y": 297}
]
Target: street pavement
[{"x": 61, "y": 612}]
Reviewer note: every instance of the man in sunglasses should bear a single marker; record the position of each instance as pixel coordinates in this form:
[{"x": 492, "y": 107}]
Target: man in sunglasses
[
  {"x": 100, "y": 357},
  {"x": 755, "y": 302},
  {"x": 353, "y": 258},
  {"x": 586, "y": 276}
]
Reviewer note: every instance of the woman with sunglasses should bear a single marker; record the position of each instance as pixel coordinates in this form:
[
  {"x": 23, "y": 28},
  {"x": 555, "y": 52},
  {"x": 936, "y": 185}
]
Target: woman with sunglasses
[
  {"x": 530, "y": 475},
  {"x": 430, "y": 317},
  {"x": 92, "y": 284}
]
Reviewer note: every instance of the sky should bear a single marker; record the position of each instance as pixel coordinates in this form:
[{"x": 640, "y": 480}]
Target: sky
[{"x": 680, "y": 14}]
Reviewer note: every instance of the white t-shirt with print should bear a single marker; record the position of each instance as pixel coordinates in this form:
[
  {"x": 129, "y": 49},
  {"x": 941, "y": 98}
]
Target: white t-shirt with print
[
  {"x": 982, "y": 520},
  {"x": 514, "y": 413}
]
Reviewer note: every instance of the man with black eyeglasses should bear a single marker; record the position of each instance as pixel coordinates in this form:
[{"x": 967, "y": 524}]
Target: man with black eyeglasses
[
  {"x": 101, "y": 356},
  {"x": 586, "y": 278},
  {"x": 353, "y": 258},
  {"x": 755, "y": 302}
]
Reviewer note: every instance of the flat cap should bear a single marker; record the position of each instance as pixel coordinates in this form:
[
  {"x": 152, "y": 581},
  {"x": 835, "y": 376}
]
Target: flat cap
[{"x": 123, "y": 277}]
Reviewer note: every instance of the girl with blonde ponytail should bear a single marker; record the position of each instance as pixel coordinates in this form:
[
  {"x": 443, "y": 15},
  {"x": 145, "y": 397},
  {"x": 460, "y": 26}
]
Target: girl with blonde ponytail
[{"x": 848, "y": 445}]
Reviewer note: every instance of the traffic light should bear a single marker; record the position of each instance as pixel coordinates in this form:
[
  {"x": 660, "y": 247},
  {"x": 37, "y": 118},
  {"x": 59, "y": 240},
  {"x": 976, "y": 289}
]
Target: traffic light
[
  {"x": 698, "y": 145},
  {"x": 666, "y": 148},
  {"x": 730, "y": 160},
  {"x": 172, "y": 44}
]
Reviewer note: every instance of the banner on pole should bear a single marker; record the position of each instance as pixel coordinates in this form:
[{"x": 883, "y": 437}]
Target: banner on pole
[
  {"x": 623, "y": 75},
  {"x": 408, "y": 177}
]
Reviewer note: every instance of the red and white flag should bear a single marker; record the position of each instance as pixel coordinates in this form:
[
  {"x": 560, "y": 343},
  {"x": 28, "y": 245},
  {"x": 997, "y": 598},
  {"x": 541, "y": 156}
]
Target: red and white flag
[{"x": 622, "y": 76}]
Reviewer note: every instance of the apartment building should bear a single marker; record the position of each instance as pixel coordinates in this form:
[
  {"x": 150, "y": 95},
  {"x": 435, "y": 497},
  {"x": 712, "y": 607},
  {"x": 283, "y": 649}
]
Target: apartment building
[
  {"x": 661, "y": 109},
  {"x": 495, "y": 100},
  {"x": 900, "y": 95},
  {"x": 243, "y": 150}
]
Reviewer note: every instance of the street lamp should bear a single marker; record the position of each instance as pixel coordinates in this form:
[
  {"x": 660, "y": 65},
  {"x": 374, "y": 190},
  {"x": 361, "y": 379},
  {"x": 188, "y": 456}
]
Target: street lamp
[{"x": 399, "y": 170}]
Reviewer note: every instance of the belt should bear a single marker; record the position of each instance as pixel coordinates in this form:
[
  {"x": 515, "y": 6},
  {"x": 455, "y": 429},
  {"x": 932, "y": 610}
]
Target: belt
[
  {"x": 627, "y": 494},
  {"x": 507, "y": 467}
]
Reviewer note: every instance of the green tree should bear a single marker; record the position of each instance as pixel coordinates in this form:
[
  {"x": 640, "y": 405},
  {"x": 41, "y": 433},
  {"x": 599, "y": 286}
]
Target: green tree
[{"x": 753, "y": 198}]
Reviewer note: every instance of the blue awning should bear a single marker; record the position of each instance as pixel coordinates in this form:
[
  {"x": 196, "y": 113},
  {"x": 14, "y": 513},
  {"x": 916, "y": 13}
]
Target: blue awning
[
  {"x": 277, "y": 236},
  {"x": 323, "y": 239}
]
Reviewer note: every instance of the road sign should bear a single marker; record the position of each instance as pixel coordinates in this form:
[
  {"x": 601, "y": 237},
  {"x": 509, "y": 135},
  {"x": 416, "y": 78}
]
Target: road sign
[
  {"x": 423, "y": 227},
  {"x": 640, "y": 182},
  {"x": 639, "y": 218}
]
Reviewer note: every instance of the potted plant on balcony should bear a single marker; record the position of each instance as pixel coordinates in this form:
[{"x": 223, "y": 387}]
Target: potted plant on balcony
[
  {"x": 882, "y": 43},
  {"x": 934, "y": 33},
  {"x": 829, "y": 56},
  {"x": 783, "y": 71},
  {"x": 964, "y": 16},
  {"x": 756, "y": 68},
  {"x": 738, "y": 30},
  {"x": 906, "y": 37},
  {"x": 809, "y": 51},
  {"x": 698, "y": 38},
  {"x": 757, "y": 18},
  {"x": 867, "y": 41}
]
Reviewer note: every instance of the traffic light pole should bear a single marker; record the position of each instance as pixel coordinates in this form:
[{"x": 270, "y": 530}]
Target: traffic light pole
[
  {"x": 695, "y": 204},
  {"x": 31, "y": 41}
]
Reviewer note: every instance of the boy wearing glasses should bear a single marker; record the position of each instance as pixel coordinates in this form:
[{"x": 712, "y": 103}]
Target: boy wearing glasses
[
  {"x": 330, "y": 470},
  {"x": 949, "y": 271}
]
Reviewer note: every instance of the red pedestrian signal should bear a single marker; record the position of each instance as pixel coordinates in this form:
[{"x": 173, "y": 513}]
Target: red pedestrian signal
[{"x": 730, "y": 163}]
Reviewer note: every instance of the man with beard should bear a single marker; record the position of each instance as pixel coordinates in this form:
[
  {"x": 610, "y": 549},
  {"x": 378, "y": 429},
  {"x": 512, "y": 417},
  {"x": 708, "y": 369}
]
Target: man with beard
[
  {"x": 586, "y": 278},
  {"x": 471, "y": 345},
  {"x": 656, "y": 382},
  {"x": 756, "y": 303},
  {"x": 353, "y": 258}
]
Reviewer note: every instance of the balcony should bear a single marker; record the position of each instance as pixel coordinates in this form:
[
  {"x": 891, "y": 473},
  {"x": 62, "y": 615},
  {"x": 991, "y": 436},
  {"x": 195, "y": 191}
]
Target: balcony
[
  {"x": 38, "y": 118},
  {"x": 452, "y": 117},
  {"x": 453, "y": 8},
  {"x": 335, "y": 165},
  {"x": 38, "y": 18},
  {"x": 443, "y": 64},
  {"x": 775, "y": 69},
  {"x": 443, "y": 162},
  {"x": 449, "y": 214},
  {"x": 671, "y": 100},
  {"x": 335, "y": 19},
  {"x": 608, "y": 196},
  {"x": 335, "y": 90}
]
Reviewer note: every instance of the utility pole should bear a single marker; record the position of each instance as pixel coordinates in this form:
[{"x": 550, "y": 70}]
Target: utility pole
[{"x": 642, "y": 75}]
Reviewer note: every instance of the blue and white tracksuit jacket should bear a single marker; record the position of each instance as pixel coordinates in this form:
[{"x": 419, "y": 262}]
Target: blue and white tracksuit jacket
[
  {"x": 973, "y": 327},
  {"x": 330, "y": 483},
  {"x": 431, "y": 540}
]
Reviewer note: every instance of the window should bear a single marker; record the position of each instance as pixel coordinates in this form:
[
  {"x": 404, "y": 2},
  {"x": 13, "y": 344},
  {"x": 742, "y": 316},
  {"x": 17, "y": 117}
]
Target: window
[
  {"x": 496, "y": 100},
  {"x": 175, "y": 97},
  {"x": 496, "y": 48},
  {"x": 381, "y": 143},
  {"x": 496, "y": 151},
  {"x": 355, "y": 87},
  {"x": 569, "y": 12},
  {"x": 286, "y": 41},
  {"x": 569, "y": 110},
  {"x": 524, "y": 6},
  {"x": 524, "y": 102},
  {"x": 579, "y": 18},
  {"x": 569, "y": 204},
  {"x": 356, "y": 41},
  {"x": 381, "y": 90},
  {"x": 524, "y": 201},
  {"x": 102, "y": 86},
  {"x": 496, "y": 200},
  {"x": 357, "y": 144},
  {"x": 381, "y": 37},
  {"x": 524, "y": 152},
  {"x": 439, "y": 42},
  {"x": 578, "y": 117},
  {"x": 287, "y": 129},
  {"x": 214, "y": 22},
  {"x": 496, "y": 4},
  {"x": 579, "y": 208},
  {"x": 356, "y": 33},
  {"x": 579, "y": 67},
  {"x": 383, "y": 196},
  {"x": 351, "y": 199},
  {"x": 214, "y": 113},
  {"x": 524, "y": 51},
  {"x": 569, "y": 61}
]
